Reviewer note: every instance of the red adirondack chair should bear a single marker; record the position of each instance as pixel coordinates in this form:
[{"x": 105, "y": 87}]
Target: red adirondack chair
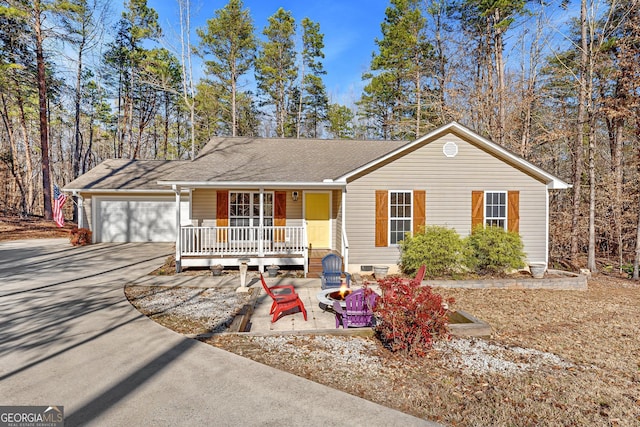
[
  {"x": 420, "y": 274},
  {"x": 358, "y": 310},
  {"x": 283, "y": 302}
]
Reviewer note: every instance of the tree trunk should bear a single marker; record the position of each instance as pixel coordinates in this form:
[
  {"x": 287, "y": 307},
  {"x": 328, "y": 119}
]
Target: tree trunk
[
  {"x": 418, "y": 101},
  {"x": 77, "y": 151},
  {"x": 165, "y": 139},
  {"x": 42, "y": 102},
  {"x": 187, "y": 77},
  {"x": 15, "y": 172},
  {"x": 234, "y": 107},
  {"x": 591, "y": 122},
  {"x": 27, "y": 152},
  {"x": 441, "y": 65},
  {"x": 300, "y": 96},
  {"x": 578, "y": 147},
  {"x": 614, "y": 130},
  {"x": 499, "y": 77},
  {"x": 591, "y": 255}
]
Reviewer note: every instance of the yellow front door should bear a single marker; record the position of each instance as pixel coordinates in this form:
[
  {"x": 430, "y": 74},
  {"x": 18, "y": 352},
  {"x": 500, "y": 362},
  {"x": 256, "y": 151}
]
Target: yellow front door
[{"x": 317, "y": 208}]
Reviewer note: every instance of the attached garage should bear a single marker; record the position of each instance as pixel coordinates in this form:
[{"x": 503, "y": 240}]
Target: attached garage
[
  {"x": 120, "y": 200},
  {"x": 137, "y": 219}
]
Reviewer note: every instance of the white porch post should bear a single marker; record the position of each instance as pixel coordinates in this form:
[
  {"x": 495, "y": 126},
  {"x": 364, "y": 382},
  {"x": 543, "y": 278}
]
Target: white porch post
[
  {"x": 345, "y": 244},
  {"x": 177, "y": 190},
  {"x": 261, "y": 230},
  {"x": 80, "y": 202}
]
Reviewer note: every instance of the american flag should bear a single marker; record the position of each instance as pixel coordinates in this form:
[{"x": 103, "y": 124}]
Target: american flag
[{"x": 58, "y": 202}]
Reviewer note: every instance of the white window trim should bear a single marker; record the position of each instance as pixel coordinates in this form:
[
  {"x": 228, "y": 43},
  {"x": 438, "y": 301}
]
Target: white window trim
[
  {"x": 389, "y": 218},
  {"x": 506, "y": 208},
  {"x": 251, "y": 205}
]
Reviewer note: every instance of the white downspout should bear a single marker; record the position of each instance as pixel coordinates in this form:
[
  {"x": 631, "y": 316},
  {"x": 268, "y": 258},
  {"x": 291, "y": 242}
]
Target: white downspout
[
  {"x": 261, "y": 232},
  {"x": 178, "y": 190}
]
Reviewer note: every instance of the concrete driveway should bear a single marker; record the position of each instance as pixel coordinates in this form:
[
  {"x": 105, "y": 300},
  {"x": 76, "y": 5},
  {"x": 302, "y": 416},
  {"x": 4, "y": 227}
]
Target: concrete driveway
[{"x": 69, "y": 337}]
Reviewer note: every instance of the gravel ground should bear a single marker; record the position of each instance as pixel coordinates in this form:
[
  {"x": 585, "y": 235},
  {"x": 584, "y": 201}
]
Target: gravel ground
[{"x": 188, "y": 310}]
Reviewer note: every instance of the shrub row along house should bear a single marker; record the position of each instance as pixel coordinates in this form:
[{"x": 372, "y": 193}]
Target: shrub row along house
[{"x": 280, "y": 201}]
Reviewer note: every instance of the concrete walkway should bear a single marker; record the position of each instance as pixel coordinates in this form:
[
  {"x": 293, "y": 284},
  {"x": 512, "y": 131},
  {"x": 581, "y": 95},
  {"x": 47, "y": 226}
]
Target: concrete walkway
[{"x": 68, "y": 337}]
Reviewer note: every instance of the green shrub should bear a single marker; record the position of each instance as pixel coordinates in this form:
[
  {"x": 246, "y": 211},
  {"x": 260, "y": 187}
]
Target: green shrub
[
  {"x": 438, "y": 248},
  {"x": 494, "y": 250}
]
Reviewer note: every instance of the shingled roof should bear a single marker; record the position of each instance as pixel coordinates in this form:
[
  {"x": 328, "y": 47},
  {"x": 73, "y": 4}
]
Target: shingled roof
[
  {"x": 125, "y": 174},
  {"x": 276, "y": 160}
]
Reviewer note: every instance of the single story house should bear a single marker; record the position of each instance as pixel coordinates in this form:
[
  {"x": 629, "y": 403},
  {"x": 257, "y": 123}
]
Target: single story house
[{"x": 286, "y": 201}]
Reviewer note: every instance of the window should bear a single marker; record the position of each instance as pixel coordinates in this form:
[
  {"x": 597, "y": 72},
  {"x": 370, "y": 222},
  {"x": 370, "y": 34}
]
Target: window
[
  {"x": 244, "y": 209},
  {"x": 496, "y": 209},
  {"x": 400, "y": 210}
]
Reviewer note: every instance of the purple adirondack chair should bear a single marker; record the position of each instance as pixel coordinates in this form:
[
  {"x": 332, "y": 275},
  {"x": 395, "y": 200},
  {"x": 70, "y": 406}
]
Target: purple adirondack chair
[{"x": 358, "y": 310}]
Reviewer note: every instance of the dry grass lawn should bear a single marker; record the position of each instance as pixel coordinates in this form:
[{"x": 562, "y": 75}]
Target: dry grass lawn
[{"x": 16, "y": 228}]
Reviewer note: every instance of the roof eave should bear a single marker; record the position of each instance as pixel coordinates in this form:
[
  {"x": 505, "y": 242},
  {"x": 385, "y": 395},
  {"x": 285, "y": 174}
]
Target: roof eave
[
  {"x": 114, "y": 190},
  {"x": 327, "y": 183}
]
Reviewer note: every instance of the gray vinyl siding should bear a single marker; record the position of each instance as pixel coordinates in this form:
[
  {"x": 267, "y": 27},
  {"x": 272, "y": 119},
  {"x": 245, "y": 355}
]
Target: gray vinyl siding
[
  {"x": 203, "y": 205},
  {"x": 294, "y": 210},
  {"x": 448, "y": 182}
]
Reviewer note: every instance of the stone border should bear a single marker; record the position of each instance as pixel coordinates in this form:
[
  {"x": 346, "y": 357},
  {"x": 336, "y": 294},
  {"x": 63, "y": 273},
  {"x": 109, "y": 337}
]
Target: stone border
[
  {"x": 470, "y": 327},
  {"x": 473, "y": 328},
  {"x": 569, "y": 282}
]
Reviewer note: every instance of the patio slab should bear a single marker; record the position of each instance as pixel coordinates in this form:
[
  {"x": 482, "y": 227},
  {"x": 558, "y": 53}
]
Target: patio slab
[{"x": 317, "y": 319}]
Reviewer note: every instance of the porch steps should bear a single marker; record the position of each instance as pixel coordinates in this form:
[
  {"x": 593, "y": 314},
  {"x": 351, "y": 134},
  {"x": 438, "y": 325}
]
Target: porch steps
[{"x": 315, "y": 262}]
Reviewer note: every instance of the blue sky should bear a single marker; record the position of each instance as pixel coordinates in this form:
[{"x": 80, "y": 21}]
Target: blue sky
[{"x": 350, "y": 28}]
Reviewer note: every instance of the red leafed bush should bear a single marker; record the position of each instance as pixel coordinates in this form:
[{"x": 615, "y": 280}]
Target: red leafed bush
[
  {"x": 410, "y": 317},
  {"x": 80, "y": 236}
]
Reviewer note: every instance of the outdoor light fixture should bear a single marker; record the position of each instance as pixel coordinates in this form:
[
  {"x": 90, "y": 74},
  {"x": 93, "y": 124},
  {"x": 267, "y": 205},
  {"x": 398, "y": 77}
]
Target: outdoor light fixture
[{"x": 294, "y": 196}]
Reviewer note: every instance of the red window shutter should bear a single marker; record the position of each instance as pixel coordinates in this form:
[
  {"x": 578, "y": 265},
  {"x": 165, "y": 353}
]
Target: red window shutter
[
  {"x": 419, "y": 210},
  {"x": 477, "y": 209},
  {"x": 382, "y": 220},
  {"x": 222, "y": 214},
  {"x": 513, "y": 211},
  {"x": 279, "y": 214}
]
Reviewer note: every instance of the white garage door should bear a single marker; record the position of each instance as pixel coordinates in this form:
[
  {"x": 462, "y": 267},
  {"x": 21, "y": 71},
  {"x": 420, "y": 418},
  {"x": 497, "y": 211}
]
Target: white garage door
[{"x": 142, "y": 219}]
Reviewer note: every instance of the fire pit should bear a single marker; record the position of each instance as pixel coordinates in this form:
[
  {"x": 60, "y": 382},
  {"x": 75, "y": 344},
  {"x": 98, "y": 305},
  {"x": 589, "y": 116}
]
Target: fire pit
[{"x": 326, "y": 297}]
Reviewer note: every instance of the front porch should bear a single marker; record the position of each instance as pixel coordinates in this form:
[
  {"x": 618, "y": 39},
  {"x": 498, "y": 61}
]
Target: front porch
[{"x": 231, "y": 246}]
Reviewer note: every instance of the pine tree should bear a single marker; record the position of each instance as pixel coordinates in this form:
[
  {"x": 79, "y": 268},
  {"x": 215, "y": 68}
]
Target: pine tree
[
  {"x": 394, "y": 96},
  {"x": 340, "y": 118},
  {"x": 276, "y": 69},
  {"x": 313, "y": 101},
  {"x": 139, "y": 23},
  {"x": 229, "y": 38}
]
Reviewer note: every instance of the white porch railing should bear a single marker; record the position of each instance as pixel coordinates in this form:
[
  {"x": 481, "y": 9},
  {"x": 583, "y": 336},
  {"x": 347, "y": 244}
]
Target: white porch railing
[{"x": 243, "y": 241}]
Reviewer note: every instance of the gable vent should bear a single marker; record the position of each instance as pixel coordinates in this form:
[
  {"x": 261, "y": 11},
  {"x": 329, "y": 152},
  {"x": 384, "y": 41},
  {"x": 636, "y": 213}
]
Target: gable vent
[{"x": 450, "y": 149}]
